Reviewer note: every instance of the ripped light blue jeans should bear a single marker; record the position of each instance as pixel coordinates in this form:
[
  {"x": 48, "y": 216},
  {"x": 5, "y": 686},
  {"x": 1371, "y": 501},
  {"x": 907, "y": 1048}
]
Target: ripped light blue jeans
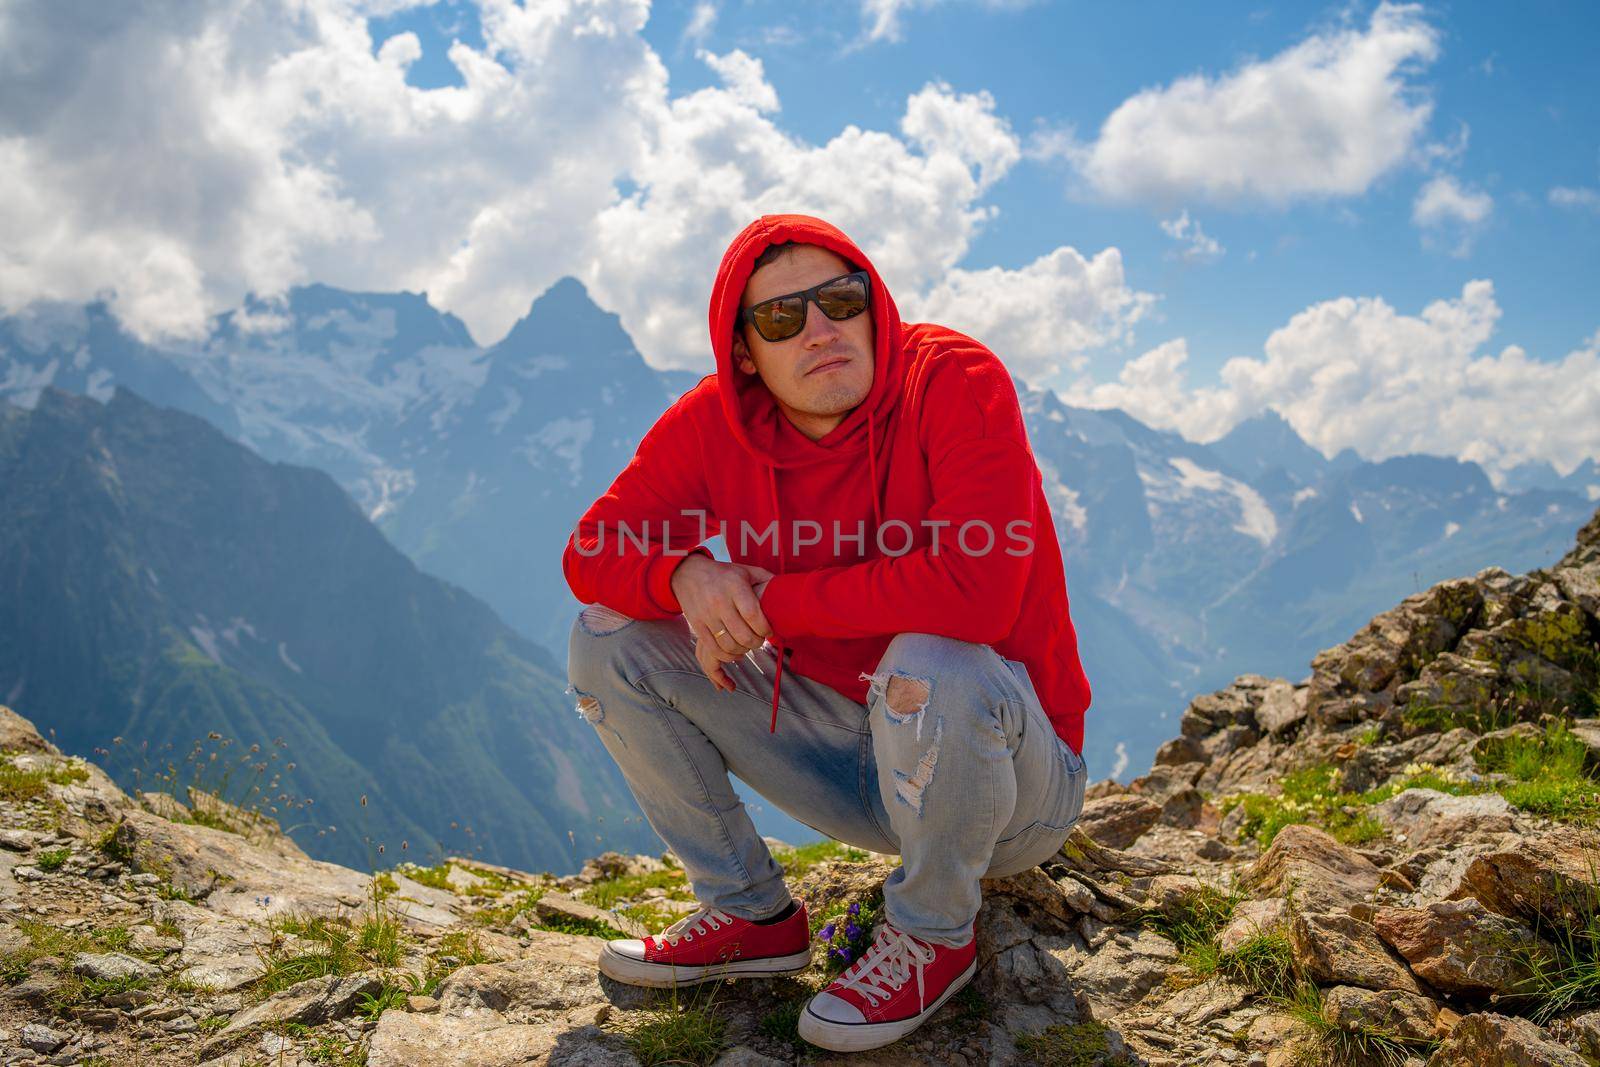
[{"x": 951, "y": 764}]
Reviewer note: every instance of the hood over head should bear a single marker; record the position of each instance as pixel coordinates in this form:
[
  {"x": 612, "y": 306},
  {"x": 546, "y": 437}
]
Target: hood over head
[{"x": 751, "y": 410}]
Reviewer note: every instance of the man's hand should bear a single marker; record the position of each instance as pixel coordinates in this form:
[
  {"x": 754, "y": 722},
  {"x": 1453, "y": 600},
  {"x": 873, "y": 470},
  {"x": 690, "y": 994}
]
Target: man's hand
[{"x": 723, "y": 610}]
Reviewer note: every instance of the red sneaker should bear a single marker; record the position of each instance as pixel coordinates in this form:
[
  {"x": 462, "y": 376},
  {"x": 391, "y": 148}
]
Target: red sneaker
[
  {"x": 708, "y": 945},
  {"x": 888, "y": 992}
]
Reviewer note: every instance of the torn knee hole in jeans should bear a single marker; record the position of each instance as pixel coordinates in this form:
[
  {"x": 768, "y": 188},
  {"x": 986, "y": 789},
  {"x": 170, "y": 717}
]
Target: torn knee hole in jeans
[
  {"x": 598, "y": 620},
  {"x": 910, "y": 788},
  {"x": 905, "y": 697}
]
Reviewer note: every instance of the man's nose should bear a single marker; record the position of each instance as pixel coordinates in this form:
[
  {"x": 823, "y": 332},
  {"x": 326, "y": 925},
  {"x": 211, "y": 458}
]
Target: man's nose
[{"x": 819, "y": 329}]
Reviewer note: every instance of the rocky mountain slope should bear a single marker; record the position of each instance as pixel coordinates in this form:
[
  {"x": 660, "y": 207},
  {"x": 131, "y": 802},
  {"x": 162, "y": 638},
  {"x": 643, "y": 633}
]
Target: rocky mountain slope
[{"x": 1390, "y": 861}]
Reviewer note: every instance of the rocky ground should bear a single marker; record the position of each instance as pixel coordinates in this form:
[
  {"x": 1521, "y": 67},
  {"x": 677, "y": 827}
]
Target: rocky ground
[{"x": 1390, "y": 861}]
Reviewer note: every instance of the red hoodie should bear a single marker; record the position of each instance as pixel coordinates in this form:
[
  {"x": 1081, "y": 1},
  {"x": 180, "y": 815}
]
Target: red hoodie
[{"x": 938, "y": 443}]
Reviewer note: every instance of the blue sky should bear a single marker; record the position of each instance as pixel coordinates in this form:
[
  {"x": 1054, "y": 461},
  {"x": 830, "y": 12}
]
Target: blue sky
[
  {"x": 1517, "y": 78},
  {"x": 1381, "y": 221}
]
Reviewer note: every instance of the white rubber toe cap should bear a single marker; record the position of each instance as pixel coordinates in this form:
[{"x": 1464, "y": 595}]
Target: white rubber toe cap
[
  {"x": 628, "y": 949},
  {"x": 834, "y": 1010}
]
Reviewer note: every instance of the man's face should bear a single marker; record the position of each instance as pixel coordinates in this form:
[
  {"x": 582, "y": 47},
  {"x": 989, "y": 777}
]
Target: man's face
[{"x": 823, "y": 371}]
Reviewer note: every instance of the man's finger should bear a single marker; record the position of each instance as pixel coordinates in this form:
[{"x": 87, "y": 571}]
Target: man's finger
[
  {"x": 708, "y": 646},
  {"x": 734, "y": 635},
  {"x": 750, "y": 610},
  {"x": 712, "y": 668}
]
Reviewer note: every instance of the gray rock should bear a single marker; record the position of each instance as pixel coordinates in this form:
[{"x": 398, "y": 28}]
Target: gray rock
[
  {"x": 1282, "y": 706},
  {"x": 559, "y": 906},
  {"x": 1325, "y": 875},
  {"x": 1459, "y": 946},
  {"x": 1342, "y": 950},
  {"x": 18, "y": 735},
  {"x": 1125, "y": 968},
  {"x": 743, "y": 1056},
  {"x": 1489, "y": 1040},
  {"x": 36, "y": 1036},
  {"x": 18, "y": 840},
  {"x": 113, "y": 967},
  {"x": 1250, "y": 919},
  {"x": 1422, "y": 817},
  {"x": 1534, "y": 879},
  {"x": 1405, "y": 1015},
  {"x": 312, "y": 1002},
  {"x": 1119, "y": 821}
]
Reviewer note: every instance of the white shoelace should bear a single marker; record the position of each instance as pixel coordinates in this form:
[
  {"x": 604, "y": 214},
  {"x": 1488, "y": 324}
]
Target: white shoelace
[
  {"x": 887, "y": 965},
  {"x": 694, "y": 923}
]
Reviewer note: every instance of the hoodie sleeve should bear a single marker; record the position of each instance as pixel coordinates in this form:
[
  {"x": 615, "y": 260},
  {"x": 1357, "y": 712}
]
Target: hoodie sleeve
[
  {"x": 969, "y": 584},
  {"x": 628, "y": 543}
]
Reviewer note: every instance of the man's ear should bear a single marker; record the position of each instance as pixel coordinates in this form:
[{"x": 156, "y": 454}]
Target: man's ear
[{"x": 741, "y": 353}]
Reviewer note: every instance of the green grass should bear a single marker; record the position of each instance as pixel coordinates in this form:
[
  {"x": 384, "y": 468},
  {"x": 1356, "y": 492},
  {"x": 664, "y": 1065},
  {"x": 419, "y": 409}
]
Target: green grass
[
  {"x": 1193, "y": 923},
  {"x": 1308, "y": 795},
  {"x": 1334, "y": 1046},
  {"x": 53, "y": 859},
  {"x": 580, "y": 927},
  {"x": 100, "y": 988},
  {"x": 1564, "y": 964},
  {"x": 302, "y": 948},
  {"x": 676, "y": 1032},
  {"x": 1070, "y": 1045},
  {"x": 783, "y": 1022},
  {"x": 1479, "y": 718},
  {"x": 114, "y": 844},
  {"x": 389, "y": 995},
  {"x": 1549, "y": 774},
  {"x": 435, "y": 877},
  {"x": 330, "y": 1049},
  {"x": 455, "y": 950},
  {"x": 1312, "y": 795},
  {"x": 1263, "y": 962},
  {"x": 609, "y": 893},
  {"x": 797, "y": 861},
  {"x": 45, "y": 940},
  {"x": 18, "y": 785},
  {"x": 504, "y": 914},
  {"x": 379, "y": 939},
  {"x": 652, "y": 914}
]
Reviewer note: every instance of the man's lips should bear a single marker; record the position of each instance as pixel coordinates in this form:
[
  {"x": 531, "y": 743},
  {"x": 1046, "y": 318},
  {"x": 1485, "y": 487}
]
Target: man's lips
[{"x": 832, "y": 361}]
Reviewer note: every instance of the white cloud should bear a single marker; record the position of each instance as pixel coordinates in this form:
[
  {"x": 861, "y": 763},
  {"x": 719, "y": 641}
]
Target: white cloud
[
  {"x": 745, "y": 77},
  {"x": 882, "y": 18},
  {"x": 1446, "y": 210},
  {"x": 1194, "y": 244},
  {"x": 717, "y": 162},
  {"x": 1580, "y": 198},
  {"x": 1354, "y": 372},
  {"x": 177, "y": 160},
  {"x": 1327, "y": 117},
  {"x": 701, "y": 22},
  {"x": 1042, "y": 316}
]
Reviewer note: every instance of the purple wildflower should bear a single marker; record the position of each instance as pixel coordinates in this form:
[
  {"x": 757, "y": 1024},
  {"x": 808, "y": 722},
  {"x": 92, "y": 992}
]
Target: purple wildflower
[
  {"x": 826, "y": 933},
  {"x": 852, "y": 931},
  {"x": 855, "y": 909}
]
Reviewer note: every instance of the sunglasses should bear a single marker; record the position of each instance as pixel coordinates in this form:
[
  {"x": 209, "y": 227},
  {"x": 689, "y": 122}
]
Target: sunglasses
[{"x": 782, "y": 317}]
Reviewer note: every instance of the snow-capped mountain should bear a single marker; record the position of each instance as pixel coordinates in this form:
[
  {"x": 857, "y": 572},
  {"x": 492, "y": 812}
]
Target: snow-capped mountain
[{"x": 1186, "y": 563}]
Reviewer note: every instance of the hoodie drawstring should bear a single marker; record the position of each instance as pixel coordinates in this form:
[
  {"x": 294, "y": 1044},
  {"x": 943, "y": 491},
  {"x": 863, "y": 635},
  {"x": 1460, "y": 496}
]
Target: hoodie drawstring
[
  {"x": 772, "y": 486},
  {"x": 777, "y": 514}
]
